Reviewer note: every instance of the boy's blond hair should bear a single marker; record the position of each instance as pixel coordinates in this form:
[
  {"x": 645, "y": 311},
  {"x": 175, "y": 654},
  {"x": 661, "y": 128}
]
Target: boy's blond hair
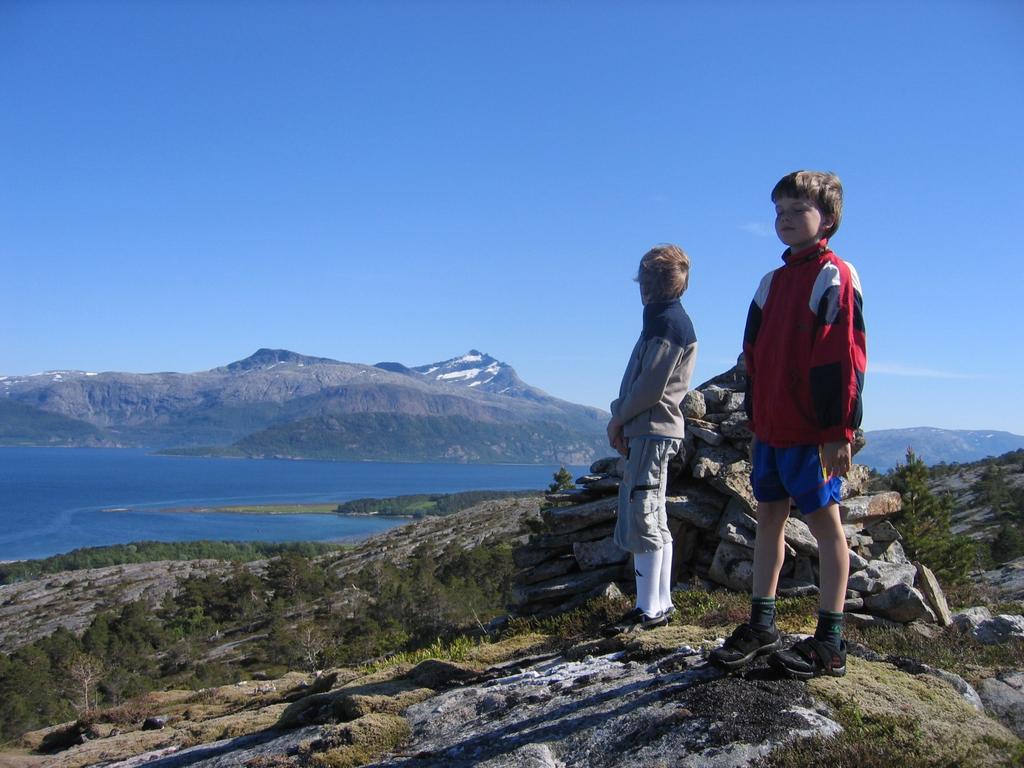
[
  {"x": 664, "y": 273},
  {"x": 822, "y": 188}
]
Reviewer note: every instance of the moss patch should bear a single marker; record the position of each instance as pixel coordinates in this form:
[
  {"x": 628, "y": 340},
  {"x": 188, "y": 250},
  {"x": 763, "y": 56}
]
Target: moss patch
[
  {"x": 231, "y": 726},
  {"x": 114, "y": 748},
  {"x": 892, "y": 718},
  {"x": 510, "y": 647},
  {"x": 356, "y": 743}
]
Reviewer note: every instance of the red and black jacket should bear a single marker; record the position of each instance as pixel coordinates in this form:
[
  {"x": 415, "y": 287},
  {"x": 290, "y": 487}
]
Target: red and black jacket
[{"x": 805, "y": 351}]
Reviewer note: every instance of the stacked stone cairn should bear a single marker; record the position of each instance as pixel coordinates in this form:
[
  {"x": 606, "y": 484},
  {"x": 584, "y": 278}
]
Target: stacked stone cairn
[{"x": 711, "y": 514}]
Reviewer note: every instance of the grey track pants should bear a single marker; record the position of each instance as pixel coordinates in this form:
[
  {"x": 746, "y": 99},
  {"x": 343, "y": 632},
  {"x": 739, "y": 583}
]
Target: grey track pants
[{"x": 642, "y": 525}]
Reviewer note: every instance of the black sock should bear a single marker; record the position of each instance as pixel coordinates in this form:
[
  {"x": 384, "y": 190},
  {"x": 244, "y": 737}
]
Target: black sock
[
  {"x": 830, "y": 628},
  {"x": 762, "y": 612}
]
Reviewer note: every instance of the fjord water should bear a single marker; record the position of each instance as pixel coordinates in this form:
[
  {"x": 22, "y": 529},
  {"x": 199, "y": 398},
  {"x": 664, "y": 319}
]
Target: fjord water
[{"x": 53, "y": 500}]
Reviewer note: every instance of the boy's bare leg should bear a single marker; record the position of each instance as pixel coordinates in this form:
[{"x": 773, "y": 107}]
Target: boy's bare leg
[
  {"x": 760, "y": 636},
  {"x": 833, "y": 556},
  {"x": 770, "y": 546}
]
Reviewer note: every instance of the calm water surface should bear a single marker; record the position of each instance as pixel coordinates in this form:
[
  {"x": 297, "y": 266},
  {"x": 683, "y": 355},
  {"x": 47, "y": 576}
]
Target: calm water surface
[{"x": 53, "y": 500}]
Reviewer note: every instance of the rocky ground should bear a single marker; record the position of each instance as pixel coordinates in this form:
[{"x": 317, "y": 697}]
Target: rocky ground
[
  {"x": 531, "y": 699},
  {"x": 971, "y": 515},
  {"x": 36, "y": 608}
]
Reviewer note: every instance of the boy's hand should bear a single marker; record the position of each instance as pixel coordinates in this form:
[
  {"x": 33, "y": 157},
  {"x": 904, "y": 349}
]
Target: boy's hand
[
  {"x": 836, "y": 458},
  {"x": 615, "y": 437}
]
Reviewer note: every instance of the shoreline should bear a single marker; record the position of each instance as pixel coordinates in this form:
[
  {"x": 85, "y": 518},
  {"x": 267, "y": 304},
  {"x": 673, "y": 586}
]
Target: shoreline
[{"x": 306, "y": 508}]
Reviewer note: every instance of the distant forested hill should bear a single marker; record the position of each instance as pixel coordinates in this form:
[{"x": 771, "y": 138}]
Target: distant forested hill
[
  {"x": 887, "y": 447},
  {"x": 21, "y": 424}
]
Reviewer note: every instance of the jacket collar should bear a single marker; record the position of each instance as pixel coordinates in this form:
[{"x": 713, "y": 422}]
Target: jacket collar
[
  {"x": 810, "y": 253},
  {"x": 655, "y": 308}
]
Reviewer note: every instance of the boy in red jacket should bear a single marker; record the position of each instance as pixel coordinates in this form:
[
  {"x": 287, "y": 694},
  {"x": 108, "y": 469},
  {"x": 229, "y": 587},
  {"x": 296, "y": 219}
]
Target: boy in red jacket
[{"x": 804, "y": 347}]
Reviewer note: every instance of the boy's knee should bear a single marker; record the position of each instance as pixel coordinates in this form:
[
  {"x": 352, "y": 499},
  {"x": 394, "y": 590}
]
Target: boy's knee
[
  {"x": 825, "y": 523},
  {"x": 772, "y": 512}
]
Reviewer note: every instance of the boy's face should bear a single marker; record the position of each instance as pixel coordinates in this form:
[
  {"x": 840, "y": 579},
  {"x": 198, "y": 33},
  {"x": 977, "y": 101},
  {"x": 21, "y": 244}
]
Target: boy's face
[{"x": 799, "y": 223}]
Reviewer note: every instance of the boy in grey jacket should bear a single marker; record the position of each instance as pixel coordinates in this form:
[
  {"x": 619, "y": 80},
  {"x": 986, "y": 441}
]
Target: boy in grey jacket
[{"x": 647, "y": 428}]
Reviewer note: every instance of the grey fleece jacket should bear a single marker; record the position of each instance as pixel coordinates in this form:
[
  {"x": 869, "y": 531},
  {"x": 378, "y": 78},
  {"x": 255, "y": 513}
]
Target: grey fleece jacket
[{"x": 658, "y": 373}]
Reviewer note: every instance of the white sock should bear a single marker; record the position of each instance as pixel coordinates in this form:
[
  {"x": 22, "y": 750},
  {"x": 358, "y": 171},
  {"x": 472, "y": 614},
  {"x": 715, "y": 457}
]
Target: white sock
[
  {"x": 665, "y": 582},
  {"x": 647, "y": 566}
]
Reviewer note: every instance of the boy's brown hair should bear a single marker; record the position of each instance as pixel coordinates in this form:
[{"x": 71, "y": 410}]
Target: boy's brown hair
[
  {"x": 822, "y": 188},
  {"x": 664, "y": 273}
]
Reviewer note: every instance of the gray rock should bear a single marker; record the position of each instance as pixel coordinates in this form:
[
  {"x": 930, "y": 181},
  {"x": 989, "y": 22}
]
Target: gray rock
[
  {"x": 865, "y": 620},
  {"x": 602, "y": 711},
  {"x": 547, "y": 570},
  {"x": 609, "y": 465},
  {"x": 733, "y": 567},
  {"x": 861, "y": 542},
  {"x": 684, "y": 540},
  {"x": 597, "y": 554},
  {"x": 704, "y": 431},
  {"x": 736, "y": 525},
  {"x": 879, "y": 576},
  {"x": 580, "y": 516},
  {"x": 972, "y": 618},
  {"x": 889, "y": 553},
  {"x": 883, "y": 531},
  {"x": 929, "y": 585},
  {"x": 853, "y": 604},
  {"x": 693, "y": 405},
  {"x": 563, "y": 586},
  {"x": 569, "y": 496},
  {"x": 736, "y": 535},
  {"x": 799, "y": 536},
  {"x": 855, "y": 482},
  {"x": 1007, "y": 579},
  {"x": 716, "y": 398},
  {"x": 901, "y": 603},
  {"x": 803, "y": 571},
  {"x": 999, "y": 629},
  {"x": 734, "y": 403},
  {"x": 857, "y": 562},
  {"x": 697, "y": 506},
  {"x": 709, "y": 460},
  {"x": 1004, "y": 699},
  {"x": 734, "y": 480},
  {"x": 875, "y": 505},
  {"x": 562, "y": 542},
  {"x": 530, "y": 556},
  {"x": 605, "y": 485},
  {"x": 858, "y": 442},
  {"x": 735, "y": 427}
]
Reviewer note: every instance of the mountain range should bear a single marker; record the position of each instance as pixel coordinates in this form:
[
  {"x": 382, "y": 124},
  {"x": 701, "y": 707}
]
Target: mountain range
[
  {"x": 278, "y": 403},
  {"x": 281, "y": 403},
  {"x": 887, "y": 447}
]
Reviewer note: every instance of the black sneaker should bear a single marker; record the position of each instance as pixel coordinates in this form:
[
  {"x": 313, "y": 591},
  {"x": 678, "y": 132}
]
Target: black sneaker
[
  {"x": 744, "y": 644},
  {"x": 668, "y": 613},
  {"x": 634, "y": 621},
  {"x": 811, "y": 658}
]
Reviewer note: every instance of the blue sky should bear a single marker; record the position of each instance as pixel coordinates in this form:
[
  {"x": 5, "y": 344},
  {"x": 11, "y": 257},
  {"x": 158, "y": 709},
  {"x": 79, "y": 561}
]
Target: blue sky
[{"x": 184, "y": 182}]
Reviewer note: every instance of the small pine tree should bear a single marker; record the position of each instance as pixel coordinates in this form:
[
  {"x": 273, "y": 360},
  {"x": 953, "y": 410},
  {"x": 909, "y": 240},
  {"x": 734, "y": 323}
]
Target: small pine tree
[
  {"x": 925, "y": 522},
  {"x": 563, "y": 481},
  {"x": 1007, "y": 545}
]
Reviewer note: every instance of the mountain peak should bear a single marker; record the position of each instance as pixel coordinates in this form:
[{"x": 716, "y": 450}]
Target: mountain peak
[
  {"x": 264, "y": 358},
  {"x": 479, "y": 370}
]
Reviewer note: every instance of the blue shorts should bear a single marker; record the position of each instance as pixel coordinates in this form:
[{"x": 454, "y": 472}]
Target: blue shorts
[{"x": 795, "y": 473}]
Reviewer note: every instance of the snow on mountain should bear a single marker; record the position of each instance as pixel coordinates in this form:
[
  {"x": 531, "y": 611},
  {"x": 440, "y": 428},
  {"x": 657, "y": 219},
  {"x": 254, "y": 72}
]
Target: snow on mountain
[{"x": 479, "y": 371}]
